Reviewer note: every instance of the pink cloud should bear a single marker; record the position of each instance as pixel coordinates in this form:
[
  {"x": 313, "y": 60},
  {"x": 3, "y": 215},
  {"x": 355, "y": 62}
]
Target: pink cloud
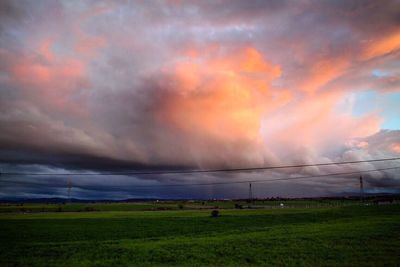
[{"x": 50, "y": 79}]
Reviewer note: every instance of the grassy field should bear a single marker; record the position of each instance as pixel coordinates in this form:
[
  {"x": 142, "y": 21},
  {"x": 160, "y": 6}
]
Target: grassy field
[
  {"x": 330, "y": 236},
  {"x": 168, "y": 205}
]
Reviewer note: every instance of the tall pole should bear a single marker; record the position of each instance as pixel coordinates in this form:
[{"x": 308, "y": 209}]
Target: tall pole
[
  {"x": 361, "y": 189},
  {"x": 69, "y": 184},
  {"x": 250, "y": 193}
]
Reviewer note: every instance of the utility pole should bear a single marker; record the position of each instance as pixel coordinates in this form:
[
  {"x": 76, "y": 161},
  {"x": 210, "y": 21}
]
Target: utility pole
[
  {"x": 250, "y": 193},
  {"x": 361, "y": 189},
  {"x": 69, "y": 185}
]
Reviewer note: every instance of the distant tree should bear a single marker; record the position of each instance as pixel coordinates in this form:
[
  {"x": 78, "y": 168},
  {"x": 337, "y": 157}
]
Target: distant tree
[
  {"x": 180, "y": 206},
  {"x": 238, "y": 206},
  {"x": 215, "y": 213}
]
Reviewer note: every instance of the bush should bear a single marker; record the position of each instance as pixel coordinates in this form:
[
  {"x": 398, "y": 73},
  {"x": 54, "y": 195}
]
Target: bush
[
  {"x": 90, "y": 209},
  {"x": 238, "y": 206},
  {"x": 180, "y": 206},
  {"x": 215, "y": 213}
]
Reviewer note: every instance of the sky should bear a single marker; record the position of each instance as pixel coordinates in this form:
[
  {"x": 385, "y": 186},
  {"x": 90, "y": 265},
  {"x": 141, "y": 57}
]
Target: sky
[{"x": 110, "y": 86}]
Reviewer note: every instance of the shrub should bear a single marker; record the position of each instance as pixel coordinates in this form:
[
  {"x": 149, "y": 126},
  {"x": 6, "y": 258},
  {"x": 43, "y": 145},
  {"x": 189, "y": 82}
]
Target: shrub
[
  {"x": 238, "y": 206},
  {"x": 90, "y": 209},
  {"x": 215, "y": 213}
]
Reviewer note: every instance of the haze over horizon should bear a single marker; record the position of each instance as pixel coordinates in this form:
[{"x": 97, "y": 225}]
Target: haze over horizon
[{"x": 100, "y": 86}]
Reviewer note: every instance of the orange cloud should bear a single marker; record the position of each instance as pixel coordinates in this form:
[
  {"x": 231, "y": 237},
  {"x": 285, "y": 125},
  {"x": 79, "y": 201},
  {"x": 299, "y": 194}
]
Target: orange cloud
[
  {"x": 324, "y": 71},
  {"x": 229, "y": 98},
  {"x": 222, "y": 96},
  {"x": 383, "y": 46}
]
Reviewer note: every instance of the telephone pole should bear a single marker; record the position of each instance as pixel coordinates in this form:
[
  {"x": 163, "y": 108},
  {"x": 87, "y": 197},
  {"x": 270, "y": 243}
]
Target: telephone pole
[
  {"x": 69, "y": 185},
  {"x": 250, "y": 193},
  {"x": 361, "y": 189}
]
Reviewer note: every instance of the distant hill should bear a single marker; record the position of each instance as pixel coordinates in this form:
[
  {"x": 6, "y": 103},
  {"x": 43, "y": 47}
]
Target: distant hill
[{"x": 78, "y": 200}]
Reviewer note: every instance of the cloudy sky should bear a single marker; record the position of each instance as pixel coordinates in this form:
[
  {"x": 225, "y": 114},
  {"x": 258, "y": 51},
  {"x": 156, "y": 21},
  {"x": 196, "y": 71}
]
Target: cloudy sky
[{"x": 100, "y": 86}]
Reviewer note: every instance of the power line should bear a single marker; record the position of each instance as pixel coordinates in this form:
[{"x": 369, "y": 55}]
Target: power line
[
  {"x": 204, "y": 171},
  {"x": 239, "y": 182}
]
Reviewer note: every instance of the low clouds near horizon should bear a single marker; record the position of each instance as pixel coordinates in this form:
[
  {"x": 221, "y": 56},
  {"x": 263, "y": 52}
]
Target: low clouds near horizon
[{"x": 116, "y": 85}]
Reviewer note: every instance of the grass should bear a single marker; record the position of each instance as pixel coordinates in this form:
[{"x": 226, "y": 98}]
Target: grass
[
  {"x": 328, "y": 236},
  {"x": 165, "y": 205}
]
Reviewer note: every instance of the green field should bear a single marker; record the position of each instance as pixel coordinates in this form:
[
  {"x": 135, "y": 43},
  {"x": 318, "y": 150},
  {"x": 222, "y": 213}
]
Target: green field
[
  {"x": 319, "y": 235},
  {"x": 170, "y": 205}
]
